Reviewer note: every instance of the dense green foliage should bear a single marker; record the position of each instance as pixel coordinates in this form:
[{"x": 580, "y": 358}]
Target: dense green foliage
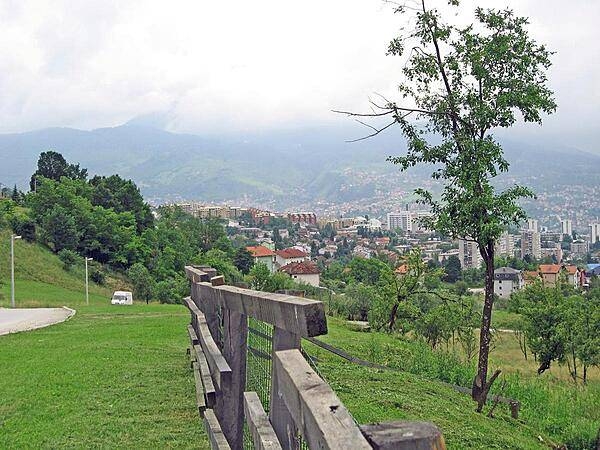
[
  {"x": 107, "y": 219},
  {"x": 560, "y": 326}
]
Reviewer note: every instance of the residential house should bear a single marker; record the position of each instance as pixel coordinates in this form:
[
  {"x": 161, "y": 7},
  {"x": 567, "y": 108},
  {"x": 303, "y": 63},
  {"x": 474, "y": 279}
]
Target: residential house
[
  {"x": 574, "y": 276},
  {"x": 264, "y": 255},
  {"x": 530, "y": 277},
  {"x": 591, "y": 270},
  {"x": 401, "y": 270},
  {"x": 550, "y": 274},
  {"x": 303, "y": 271},
  {"x": 289, "y": 255},
  {"x": 506, "y": 281}
]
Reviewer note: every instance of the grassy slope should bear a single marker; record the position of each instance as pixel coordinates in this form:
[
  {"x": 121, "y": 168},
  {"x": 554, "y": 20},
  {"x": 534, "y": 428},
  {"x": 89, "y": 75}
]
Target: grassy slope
[
  {"x": 41, "y": 281},
  {"x": 112, "y": 377},
  {"x": 374, "y": 395}
]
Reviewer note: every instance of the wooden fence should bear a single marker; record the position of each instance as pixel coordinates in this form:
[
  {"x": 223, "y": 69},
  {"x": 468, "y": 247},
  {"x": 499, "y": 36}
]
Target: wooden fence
[{"x": 303, "y": 410}]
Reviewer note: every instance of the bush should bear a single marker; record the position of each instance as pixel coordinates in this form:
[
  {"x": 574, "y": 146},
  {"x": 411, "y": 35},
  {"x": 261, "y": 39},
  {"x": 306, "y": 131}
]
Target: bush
[
  {"x": 98, "y": 277},
  {"x": 23, "y": 226},
  {"x": 171, "y": 291},
  {"x": 68, "y": 258}
]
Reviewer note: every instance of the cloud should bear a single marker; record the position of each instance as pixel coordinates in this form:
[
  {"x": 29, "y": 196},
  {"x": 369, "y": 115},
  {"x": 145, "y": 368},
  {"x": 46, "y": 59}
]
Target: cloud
[{"x": 215, "y": 66}]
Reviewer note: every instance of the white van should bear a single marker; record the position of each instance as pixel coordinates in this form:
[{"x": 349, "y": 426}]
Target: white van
[{"x": 122, "y": 298}]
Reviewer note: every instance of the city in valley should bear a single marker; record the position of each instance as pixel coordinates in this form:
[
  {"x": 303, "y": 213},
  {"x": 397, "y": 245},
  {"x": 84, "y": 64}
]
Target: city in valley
[{"x": 548, "y": 252}]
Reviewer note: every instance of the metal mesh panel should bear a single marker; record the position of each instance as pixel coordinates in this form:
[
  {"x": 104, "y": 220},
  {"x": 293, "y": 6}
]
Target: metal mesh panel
[{"x": 258, "y": 366}]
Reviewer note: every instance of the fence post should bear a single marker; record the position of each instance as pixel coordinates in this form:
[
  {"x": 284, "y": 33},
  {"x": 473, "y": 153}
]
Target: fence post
[
  {"x": 279, "y": 415},
  {"x": 404, "y": 436},
  {"x": 235, "y": 336}
]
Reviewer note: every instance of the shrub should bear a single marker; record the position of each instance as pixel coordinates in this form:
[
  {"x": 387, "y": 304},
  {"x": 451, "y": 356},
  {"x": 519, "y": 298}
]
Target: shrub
[
  {"x": 68, "y": 258},
  {"x": 98, "y": 277}
]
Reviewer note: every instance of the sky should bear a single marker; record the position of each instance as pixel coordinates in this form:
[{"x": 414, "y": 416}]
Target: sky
[{"x": 216, "y": 67}]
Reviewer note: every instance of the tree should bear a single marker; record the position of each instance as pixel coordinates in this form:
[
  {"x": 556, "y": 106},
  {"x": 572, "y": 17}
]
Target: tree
[
  {"x": 143, "y": 283},
  {"x": 16, "y": 196},
  {"x": 68, "y": 258},
  {"x": 52, "y": 165},
  {"x": 122, "y": 196},
  {"x": 452, "y": 269},
  {"x": 243, "y": 260},
  {"x": 460, "y": 83}
]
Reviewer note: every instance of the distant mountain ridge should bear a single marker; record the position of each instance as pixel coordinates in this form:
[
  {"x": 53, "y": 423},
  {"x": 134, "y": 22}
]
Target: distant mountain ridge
[{"x": 281, "y": 168}]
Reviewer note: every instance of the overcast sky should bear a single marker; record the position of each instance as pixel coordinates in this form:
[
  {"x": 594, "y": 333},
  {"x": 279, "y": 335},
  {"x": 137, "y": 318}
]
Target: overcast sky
[{"x": 212, "y": 66}]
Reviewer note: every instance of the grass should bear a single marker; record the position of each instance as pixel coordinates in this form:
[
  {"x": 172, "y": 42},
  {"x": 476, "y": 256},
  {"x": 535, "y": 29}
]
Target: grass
[
  {"x": 118, "y": 376},
  {"x": 40, "y": 279},
  {"x": 552, "y": 408},
  {"x": 111, "y": 377}
]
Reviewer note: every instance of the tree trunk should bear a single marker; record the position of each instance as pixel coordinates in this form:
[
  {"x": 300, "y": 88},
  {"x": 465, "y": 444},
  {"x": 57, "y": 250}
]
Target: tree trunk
[{"x": 480, "y": 385}]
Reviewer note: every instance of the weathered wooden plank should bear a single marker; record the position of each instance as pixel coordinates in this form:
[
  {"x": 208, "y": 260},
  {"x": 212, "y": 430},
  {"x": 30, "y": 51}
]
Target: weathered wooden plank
[
  {"x": 200, "y": 400},
  {"x": 217, "y": 364},
  {"x": 209, "y": 388},
  {"x": 323, "y": 420},
  {"x": 263, "y": 435},
  {"x": 192, "y": 335},
  {"x": 230, "y": 407},
  {"x": 213, "y": 430},
  {"x": 217, "y": 281},
  {"x": 404, "y": 436},
  {"x": 195, "y": 274},
  {"x": 279, "y": 415},
  {"x": 194, "y": 310},
  {"x": 297, "y": 315},
  {"x": 204, "y": 296}
]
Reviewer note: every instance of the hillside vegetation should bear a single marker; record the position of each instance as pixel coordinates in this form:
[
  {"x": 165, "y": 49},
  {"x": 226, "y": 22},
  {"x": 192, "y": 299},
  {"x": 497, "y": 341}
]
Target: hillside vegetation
[
  {"x": 40, "y": 279},
  {"x": 551, "y": 409}
]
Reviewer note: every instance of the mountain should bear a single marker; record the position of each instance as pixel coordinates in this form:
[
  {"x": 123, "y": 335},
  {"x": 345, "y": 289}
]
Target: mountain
[{"x": 280, "y": 169}]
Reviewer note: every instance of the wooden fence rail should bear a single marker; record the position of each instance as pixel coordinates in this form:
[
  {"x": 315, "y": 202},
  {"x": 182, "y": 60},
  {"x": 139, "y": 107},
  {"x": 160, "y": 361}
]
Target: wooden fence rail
[{"x": 302, "y": 407}]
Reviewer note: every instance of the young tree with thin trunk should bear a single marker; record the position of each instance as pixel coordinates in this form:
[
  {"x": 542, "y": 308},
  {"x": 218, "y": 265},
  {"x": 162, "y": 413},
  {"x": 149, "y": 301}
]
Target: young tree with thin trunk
[{"x": 460, "y": 84}]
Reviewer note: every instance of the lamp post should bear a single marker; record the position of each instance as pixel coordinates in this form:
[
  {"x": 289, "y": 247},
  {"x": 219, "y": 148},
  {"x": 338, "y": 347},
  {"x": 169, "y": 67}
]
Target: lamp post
[
  {"x": 12, "y": 269},
  {"x": 87, "y": 292}
]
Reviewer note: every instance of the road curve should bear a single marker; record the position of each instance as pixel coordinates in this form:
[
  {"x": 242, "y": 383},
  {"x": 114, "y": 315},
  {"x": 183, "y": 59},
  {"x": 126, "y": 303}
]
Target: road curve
[{"x": 25, "y": 319}]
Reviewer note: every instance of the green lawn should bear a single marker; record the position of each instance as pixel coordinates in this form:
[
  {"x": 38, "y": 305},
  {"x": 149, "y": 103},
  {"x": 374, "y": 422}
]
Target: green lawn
[
  {"x": 111, "y": 377},
  {"x": 552, "y": 408}
]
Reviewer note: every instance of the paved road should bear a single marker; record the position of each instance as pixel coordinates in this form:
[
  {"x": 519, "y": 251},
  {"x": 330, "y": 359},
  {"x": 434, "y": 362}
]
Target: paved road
[{"x": 15, "y": 320}]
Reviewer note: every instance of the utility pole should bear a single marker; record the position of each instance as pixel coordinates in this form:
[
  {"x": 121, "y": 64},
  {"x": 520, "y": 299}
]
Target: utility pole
[
  {"x": 87, "y": 292},
  {"x": 12, "y": 269}
]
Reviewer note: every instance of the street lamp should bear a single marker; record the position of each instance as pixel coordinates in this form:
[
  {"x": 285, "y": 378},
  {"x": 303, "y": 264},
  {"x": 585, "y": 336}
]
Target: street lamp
[
  {"x": 87, "y": 292},
  {"x": 12, "y": 269}
]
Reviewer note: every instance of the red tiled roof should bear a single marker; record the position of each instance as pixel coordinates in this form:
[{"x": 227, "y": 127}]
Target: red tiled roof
[
  {"x": 530, "y": 275},
  {"x": 301, "y": 268},
  {"x": 402, "y": 269},
  {"x": 571, "y": 269},
  {"x": 260, "y": 251},
  {"x": 289, "y": 253},
  {"x": 550, "y": 268}
]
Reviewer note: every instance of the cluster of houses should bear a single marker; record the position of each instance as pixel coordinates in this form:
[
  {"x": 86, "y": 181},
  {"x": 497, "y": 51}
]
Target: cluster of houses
[
  {"x": 508, "y": 280},
  {"x": 292, "y": 261}
]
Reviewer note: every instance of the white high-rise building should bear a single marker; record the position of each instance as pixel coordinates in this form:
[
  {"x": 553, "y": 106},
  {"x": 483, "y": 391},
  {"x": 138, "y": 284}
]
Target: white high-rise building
[
  {"x": 402, "y": 220},
  {"x": 532, "y": 225},
  {"x": 594, "y": 232},
  {"x": 408, "y": 221},
  {"x": 468, "y": 254},
  {"x": 566, "y": 227}
]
